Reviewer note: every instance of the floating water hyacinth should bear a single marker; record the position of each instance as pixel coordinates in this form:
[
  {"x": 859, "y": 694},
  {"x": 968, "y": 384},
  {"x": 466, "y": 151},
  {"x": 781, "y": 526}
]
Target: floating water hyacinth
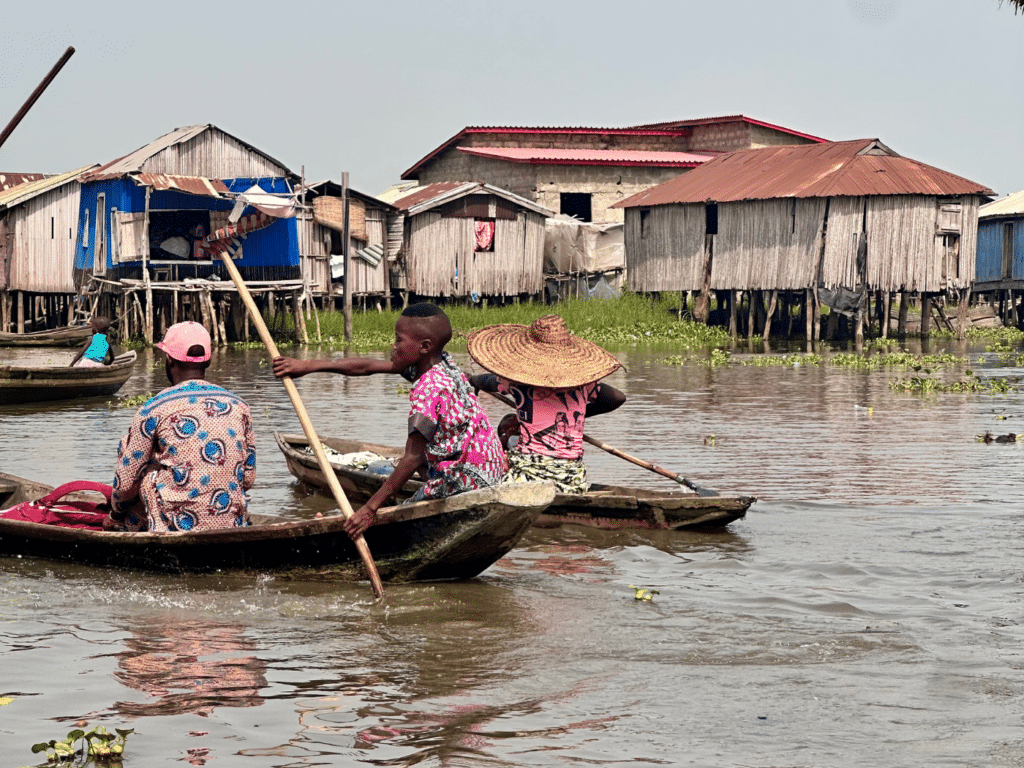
[{"x": 641, "y": 593}]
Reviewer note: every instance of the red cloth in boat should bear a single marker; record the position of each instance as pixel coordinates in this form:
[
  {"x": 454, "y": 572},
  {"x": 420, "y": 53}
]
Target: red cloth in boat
[{"x": 51, "y": 510}]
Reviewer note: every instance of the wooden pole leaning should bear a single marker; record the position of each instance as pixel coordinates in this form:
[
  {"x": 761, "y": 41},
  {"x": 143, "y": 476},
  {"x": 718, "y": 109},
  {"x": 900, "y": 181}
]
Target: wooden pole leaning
[{"x": 307, "y": 425}]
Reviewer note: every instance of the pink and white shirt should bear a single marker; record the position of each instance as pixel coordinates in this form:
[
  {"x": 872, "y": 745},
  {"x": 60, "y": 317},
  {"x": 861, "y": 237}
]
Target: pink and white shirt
[{"x": 551, "y": 420}]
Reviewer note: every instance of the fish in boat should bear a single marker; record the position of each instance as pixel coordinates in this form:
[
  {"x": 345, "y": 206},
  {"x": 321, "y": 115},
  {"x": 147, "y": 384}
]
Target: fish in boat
[
  {"x": 36, "y": 383},
  {"x": 65, "y": 336},
  {"x": 610, "y": 507},
  {"x": 443, "y": 539}
]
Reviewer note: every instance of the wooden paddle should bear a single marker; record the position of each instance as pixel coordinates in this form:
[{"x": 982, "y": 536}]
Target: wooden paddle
[
  {"x": 307, "y": 425},
  {"x": 623, "y": 455}
]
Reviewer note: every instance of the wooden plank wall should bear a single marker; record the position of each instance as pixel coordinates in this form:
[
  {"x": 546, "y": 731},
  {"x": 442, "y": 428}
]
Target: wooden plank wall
[
  {"x": 665, "y": 248},
  {"x": 42, "y": 247},
  {"x": 437, "y": 246},
  {"x": 845, "y": 222}
]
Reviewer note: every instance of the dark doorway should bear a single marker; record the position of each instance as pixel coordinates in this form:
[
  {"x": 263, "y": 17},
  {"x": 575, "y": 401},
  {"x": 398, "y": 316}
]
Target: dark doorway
[{"x": 576, "y": 204}]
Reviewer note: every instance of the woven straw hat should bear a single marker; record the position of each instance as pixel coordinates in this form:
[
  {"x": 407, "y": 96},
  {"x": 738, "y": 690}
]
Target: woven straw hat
[{"x": 543, "y": 354}]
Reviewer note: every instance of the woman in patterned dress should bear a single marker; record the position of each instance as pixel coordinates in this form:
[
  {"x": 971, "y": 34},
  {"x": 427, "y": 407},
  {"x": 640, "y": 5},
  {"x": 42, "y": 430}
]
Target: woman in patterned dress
[
  {"x": 190, "y": 455},
  {"x": 448, "y": 433}
]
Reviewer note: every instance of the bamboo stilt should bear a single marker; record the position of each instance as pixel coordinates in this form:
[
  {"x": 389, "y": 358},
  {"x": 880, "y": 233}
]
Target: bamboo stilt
[
  {"x": 772, "y": 303},
  {"x": 901, "y": 323}
]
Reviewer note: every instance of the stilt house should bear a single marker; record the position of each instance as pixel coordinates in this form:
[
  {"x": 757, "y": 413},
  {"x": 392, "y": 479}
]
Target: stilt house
[
  {"x": 1001, "y": 244},
  {"x": 321, "y": 222},
  {"x": 842, "y": 217},
  {"x": 38, "y": 227},
  {"x": 146, "y": 220},
  {"x": 470, "y": 239}
]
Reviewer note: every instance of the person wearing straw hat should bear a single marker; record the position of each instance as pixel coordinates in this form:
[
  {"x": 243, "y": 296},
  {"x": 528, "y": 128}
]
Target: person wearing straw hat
[
  {"x": 190, "y": 455},
  {"x": 554, "y": 380},
  {"x": 448, "y": 433}
]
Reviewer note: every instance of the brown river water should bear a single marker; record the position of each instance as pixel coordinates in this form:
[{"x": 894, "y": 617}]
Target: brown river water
[{"x": 866, "y": 612}]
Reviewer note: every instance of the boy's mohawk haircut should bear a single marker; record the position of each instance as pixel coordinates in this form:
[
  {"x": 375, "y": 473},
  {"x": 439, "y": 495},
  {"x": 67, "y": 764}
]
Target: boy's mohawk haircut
[{"x": 423, "y": 309}]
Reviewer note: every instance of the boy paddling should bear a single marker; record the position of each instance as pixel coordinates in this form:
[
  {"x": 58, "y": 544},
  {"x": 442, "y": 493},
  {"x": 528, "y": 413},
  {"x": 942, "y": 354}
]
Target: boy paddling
[{"x": 448, "y": 432}]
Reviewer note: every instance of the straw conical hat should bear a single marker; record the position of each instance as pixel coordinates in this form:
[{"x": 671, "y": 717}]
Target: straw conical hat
[{"x": 543, "y": 354}]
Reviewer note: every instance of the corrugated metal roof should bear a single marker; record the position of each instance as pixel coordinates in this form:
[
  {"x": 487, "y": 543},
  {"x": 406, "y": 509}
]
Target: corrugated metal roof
[
  {"x": 193, "y": 185},
  {"x": 395, "y": 191},
  {"x": 430, "y": 196},
  {"x": 1011, "y": 205},
  {"x": 728, "y": 119},
  {"x": 23, "y": 192},
  {"x": 550, "y": 156},
  {"x": 9, "y": 180},
  {"x": 132, "y": 163},
  {"x": 579, "y": 130},
  {"x": 830, "y": 169}
]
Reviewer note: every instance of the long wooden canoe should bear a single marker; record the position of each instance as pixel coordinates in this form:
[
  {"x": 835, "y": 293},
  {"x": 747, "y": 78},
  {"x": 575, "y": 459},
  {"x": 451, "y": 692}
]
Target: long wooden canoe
[
  {"x": 31, "y": 384},
  {"x": 454, "y": 538},
  {"x": 65, "y": 336},
  {"x": 609, "y": 507}
]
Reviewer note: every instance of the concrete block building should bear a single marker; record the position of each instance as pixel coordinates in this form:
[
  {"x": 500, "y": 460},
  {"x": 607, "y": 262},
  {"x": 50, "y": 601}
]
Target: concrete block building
[{"x": 583, "y": 172}]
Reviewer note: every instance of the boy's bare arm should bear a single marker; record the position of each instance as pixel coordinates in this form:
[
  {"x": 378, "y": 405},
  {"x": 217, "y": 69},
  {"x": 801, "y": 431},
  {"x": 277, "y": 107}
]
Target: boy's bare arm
[
  {"x": 348, "y": 366},
  {"x": 414, "y": 457}
]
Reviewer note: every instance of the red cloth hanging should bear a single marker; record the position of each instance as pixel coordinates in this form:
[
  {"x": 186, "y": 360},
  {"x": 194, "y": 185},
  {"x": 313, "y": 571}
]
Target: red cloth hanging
[{"x": 484, "y": 234}]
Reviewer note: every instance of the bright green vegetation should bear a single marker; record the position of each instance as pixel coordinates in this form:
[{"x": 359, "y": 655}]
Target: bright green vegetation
[
  {"x": 924, "y": 382},
  {"x": 130, "y": 402},
  {"x": 895, "y": 360},
  {"x": 791, "y": 360},
  {"x": 97, "y": 747},
  {"x": 629, "y": 320}
]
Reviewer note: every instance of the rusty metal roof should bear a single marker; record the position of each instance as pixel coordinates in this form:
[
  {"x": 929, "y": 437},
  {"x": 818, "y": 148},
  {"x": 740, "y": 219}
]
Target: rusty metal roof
[
  {"x": 29, "y": 189},
  {"x": 8, "y": 180},
  {"x": 193, "y": 185},
  {"x": 831, "y": 169},
  {"x": 424, "y": 198},
  {"x": 550, "y": 156}
]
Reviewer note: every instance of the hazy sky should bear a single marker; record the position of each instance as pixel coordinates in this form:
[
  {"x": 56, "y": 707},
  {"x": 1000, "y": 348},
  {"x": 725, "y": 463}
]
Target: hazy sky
[{"x": 371, "y": 87}]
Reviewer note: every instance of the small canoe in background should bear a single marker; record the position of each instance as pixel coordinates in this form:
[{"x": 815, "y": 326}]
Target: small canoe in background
[
  {"x": 32, "y": 384},
  {"x": 454, "y": 538},
  {"x": 608, "y": 507},
  {"x": 66, "y": 336}
]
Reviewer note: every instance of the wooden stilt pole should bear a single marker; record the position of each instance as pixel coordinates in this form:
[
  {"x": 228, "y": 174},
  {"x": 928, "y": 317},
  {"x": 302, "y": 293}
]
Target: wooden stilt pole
[
  {"x": 772, "y": 302},
  {"x": 21, "y": 311},
  {"x": 926, "y": 314},
  {"x": 901, "y": 324}
]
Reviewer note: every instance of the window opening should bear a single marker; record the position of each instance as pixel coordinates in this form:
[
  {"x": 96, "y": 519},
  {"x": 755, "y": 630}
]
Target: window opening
[
  {"x": 179, "y": 235},
  {"x": 645, "y": 222},
  {"x": 576, "y": 204},
  {"x": 711, "y": 218}
]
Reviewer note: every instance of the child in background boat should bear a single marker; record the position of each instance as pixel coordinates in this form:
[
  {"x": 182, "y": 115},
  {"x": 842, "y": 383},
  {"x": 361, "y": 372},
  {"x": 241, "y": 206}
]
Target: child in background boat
[
  {"x": 190, "y": 455},
  {"x": 448, "y": 432},
  {"x": 97, "y": 350},
  {"x": 553, "y": 378}
]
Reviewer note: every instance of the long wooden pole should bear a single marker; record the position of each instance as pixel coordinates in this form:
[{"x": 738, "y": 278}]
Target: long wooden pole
[
  {"x": 307, "y": 425},
  {"x": 9, "y": 129},
  {"x": 632, "y": 459}
]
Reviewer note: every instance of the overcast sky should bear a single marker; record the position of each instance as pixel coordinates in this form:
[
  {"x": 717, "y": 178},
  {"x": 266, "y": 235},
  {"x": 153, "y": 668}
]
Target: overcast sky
[{"x": 371, "y": 87}]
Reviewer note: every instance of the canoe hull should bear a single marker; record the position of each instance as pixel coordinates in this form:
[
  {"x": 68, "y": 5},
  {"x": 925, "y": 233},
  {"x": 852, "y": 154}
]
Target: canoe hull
[
  {"x": 68, "y": 336},
  {"x": 24, "y": 384},
  {"x": 455, "y": 538},
  {"x": 605, "y": 507}
]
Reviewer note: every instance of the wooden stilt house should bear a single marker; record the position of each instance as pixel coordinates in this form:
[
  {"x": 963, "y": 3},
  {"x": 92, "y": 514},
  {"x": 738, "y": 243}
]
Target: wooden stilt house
[
  {"x": 38, "y": 226},
  {"x": 470, "y": 239},
  {"x": 830, "y": 222},
  {"x": 145, "y": 219}
]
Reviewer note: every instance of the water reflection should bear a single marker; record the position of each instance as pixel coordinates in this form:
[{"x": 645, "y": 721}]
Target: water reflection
[{"x": 186, "y": 666}]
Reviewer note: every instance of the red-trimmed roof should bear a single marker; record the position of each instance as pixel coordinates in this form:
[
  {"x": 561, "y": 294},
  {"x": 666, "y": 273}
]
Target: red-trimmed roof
[
  {"x": 550, "y": 156},
  {"x": 831, "y": 169},
  {"x": 677, "y": 124},
  {"x": 571, "y": 131}
]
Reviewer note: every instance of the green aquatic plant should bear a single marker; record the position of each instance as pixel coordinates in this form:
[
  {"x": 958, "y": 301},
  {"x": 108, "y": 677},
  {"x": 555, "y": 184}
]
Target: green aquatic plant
[
  {"x": 1003, "y": 334},
  {"x": 641, "y": 593},
  {"x": 98, "y": 747},
  {"x": 895, "y": 360},
  {"x": 1005, "y": 354},
  {"x": 130, "y": 402},
  {"x": 790, "y": 360},
  {"x": 924, "y": 382}
]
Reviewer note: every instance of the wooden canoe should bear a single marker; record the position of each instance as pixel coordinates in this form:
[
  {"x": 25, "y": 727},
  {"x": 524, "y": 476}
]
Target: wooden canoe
[
  {"x": 609, "y": 507},
  {"x": 66, "y": 336},
  {"x": 454, "y": 538},
  {"x": 32, "y": 384}
]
